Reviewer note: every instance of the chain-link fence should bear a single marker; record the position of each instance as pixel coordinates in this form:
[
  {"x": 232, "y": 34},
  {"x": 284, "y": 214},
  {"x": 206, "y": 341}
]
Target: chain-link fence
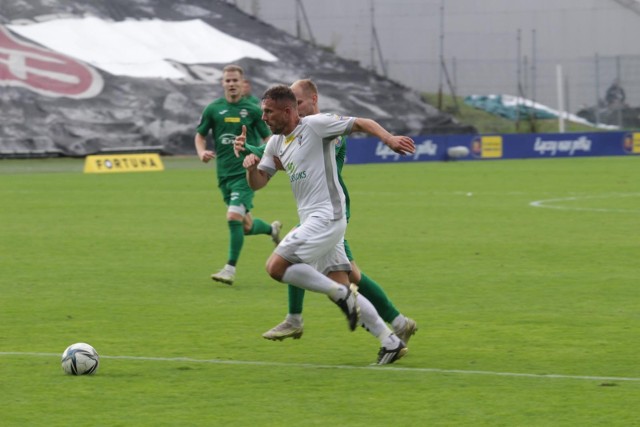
[
  {"x": 615, "y": 84},
  {"x": 585, "y": 82}
]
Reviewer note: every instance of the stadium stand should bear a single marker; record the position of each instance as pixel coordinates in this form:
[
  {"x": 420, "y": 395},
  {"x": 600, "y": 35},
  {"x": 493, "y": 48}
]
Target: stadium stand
[{"x": 55, "y": 103}]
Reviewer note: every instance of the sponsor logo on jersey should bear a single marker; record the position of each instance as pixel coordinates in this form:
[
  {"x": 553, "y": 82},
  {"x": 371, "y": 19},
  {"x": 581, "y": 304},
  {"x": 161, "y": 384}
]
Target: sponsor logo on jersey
[
  {"x": 227, "y": 139},
  {"x": 335, "y": 116},
  {"x": 294, "y": 175},
  {"x": 290, "y": 138},
  {"x": 48, "y": 73},
  {"x": 232, "y": 119}
]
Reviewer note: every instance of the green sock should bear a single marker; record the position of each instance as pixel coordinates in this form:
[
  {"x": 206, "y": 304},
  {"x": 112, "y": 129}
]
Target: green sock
[
  {"x": 236, "y": 234},
  {"x": 259, "y": 227},
  {"x": 296, "y": 297},
  {"x": 374, "y": 293}
]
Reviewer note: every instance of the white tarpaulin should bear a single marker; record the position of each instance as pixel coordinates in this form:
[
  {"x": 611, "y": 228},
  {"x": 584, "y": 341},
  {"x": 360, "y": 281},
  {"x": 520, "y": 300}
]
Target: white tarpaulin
[
  {"x": 75, "y": 86},
  {"x": 141, "y": 48}
]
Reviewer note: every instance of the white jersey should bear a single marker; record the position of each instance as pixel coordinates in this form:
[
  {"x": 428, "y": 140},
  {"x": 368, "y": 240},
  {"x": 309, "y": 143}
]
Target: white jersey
[{"x": 309, "y": 158}]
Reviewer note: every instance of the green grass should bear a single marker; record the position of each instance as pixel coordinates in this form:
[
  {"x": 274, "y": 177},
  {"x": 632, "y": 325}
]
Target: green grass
[{"x": 499, "y": 288}]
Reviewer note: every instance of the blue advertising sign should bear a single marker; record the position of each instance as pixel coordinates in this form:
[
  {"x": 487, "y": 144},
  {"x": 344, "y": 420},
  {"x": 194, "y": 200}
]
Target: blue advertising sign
[{"x": 493, "y": 147}]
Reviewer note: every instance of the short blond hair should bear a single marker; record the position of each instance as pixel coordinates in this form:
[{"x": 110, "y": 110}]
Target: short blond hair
[
  {"x": 307, "y": 86},
  {"x": 233, "y": 67}
]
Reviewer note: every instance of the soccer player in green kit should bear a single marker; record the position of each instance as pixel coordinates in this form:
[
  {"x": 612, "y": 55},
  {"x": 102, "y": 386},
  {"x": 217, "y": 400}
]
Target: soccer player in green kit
[
  {"x": 306, "y": 94},
  {"x": 246, "y": 92},
  {"x": 225, "y": 118}
]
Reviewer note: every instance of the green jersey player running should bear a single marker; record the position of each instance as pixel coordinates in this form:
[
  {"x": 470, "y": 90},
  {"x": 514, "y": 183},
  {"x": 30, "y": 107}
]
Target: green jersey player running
[
  {"x": 224, "y": 118},
  {"x": 404, "y": 327}
]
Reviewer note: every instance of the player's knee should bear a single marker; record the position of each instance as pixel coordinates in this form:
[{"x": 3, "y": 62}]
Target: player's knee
[
  {"x": 274, "y": 272},
  {"x": 234, "y": 217},
  {"x": 354, "y": 274},
  {"x": 275, "y": 268},
  {"x": 236, "y": 213}
]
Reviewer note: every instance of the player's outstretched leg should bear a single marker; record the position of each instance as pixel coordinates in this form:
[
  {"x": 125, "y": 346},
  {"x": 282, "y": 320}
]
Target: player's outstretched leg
[
  {"x": 306, "y": 277},
  {"x": 392, "y": 348},
  {"x": 292, "y": 326},
  {"x": 349, "y": 306},
  {"x": 276, "y": 226},
  {"x": 236, "y": 240},
  {"x": 404, "y": 327},
  {"x": 288, "y": 328},
  {"x": 386, "y": 355},
  {"x": 226, "y": 275}
]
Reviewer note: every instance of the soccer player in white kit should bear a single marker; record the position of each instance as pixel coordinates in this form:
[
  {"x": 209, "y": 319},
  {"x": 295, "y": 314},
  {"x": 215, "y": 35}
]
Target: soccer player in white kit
[{"x": 314, "y": 249}]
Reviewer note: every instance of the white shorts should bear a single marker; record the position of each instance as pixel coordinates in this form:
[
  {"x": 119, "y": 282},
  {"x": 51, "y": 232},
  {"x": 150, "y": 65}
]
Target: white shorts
[{"x": 317, "y": 242}]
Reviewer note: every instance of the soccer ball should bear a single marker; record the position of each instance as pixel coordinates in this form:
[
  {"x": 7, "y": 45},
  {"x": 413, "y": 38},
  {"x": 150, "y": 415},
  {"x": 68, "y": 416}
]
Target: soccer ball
[{"x": 80, "y": 359}]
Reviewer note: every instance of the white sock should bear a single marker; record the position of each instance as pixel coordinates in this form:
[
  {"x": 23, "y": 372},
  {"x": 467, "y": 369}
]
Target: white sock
[
  {"x": 390, "y": 342},
  {"x": 372, "y": 321},
  {"x": 294, "y": 319},
  {"x": 399, "y": 322},
  {"x": 306, "y": 277}
]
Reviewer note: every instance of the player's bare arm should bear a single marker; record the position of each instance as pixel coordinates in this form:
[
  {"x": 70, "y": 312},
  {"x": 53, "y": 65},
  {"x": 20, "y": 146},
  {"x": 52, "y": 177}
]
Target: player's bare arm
[
  {"x": 239, "y": 146},
  {"x": 256, "y": 178},
  {"x": 400, "y": 144},
  {"x": 201, "y": 148},
  {"x": 279, "y": 165}
]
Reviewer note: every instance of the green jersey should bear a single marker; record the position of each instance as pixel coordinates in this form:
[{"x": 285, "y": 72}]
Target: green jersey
[
  {"x": 256, "y": 101},
  {"x": 341, "y": 155},
  {"x": 253, "y": 99},
  {"x": 225, "y": 120}
]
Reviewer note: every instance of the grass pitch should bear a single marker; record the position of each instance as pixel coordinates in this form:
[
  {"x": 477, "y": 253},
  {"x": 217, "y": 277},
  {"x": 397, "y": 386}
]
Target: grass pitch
[{"x": 522, "y": 275}]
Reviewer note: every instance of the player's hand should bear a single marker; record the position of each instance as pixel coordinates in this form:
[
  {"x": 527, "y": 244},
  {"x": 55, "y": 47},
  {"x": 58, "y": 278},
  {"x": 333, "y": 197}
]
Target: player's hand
[
  {"x": 238, "y": 144},
  {"x": 207, "y": 155},
  {"x": 401, "y": 144},
  {"x": 251, "y": 162}
]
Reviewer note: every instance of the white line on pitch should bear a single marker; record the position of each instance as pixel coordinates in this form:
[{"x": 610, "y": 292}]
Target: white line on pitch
[
  {"x": 552, "y": 203},
  {"x": 321, "y": 366}
]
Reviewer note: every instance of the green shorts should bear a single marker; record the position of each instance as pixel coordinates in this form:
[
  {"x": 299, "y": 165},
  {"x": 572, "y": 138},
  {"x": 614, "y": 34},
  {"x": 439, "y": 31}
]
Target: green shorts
[{"x": 236, "y": 192}]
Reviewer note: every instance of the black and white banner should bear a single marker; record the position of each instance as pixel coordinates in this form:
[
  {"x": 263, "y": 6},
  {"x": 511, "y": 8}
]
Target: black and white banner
[{"x": 78, "y": 78}]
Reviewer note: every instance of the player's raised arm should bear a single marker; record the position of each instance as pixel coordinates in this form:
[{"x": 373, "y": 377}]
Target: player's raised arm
[
  {"x": 400, "y": 144},
  {"x": 241, "y": 148},
  {"x": 240, "y": 141}
]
